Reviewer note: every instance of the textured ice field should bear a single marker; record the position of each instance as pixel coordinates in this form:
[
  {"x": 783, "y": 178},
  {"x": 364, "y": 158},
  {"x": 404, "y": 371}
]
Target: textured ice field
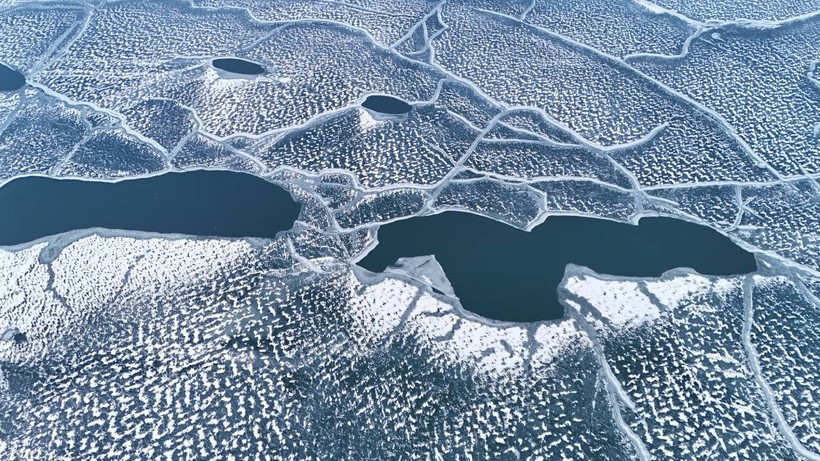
[{"x": 116, "y": 346}]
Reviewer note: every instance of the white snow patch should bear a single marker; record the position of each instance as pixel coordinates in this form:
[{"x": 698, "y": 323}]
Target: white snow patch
[
  {"x": 672, "y": 292},
  {"x": 378, "y": 310},
  {"x": 367, "y": 122},
  {"x": 621, "y": 303},
  {"x": 555, "y": 338}
]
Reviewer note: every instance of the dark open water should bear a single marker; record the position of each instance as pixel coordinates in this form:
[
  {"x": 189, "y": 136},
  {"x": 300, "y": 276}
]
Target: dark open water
[
  {"x": 10, "y": 79},
  {"x": 504, "y": 273},
  {"x": 238, "y": 66},
  {"x": 207, "y": 203},
  {"x": 496, "y": 270}
]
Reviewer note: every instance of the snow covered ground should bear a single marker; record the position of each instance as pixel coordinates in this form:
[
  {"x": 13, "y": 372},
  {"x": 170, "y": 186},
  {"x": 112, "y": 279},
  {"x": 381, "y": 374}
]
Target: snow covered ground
[{"x": 116, "y": 346}]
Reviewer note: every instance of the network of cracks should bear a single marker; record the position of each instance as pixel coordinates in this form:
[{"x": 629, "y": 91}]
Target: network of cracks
[{"x": 282, "y": 346}]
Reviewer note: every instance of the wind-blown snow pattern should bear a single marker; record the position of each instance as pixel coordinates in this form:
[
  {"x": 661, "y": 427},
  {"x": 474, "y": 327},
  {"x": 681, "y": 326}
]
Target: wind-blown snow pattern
[{"x": 119, "y": 345}]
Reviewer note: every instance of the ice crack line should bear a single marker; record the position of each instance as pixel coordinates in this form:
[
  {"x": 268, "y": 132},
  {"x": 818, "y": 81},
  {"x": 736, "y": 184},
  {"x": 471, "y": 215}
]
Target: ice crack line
[
  {"x": 418, "y": 24},
  {"x": 754, "y": 364},
  {"x": 47, "y": 91},
  {"x": 439, "y": 186},
  {"x": 718, "y": 120},
  {"x": 615, "y": 392},
  {"x": 670, "y": 57},
  {"x": 62, "y": 43},
  {"x": 528, "y": 10},
  {"x": 640, "y": 448},
  {"x": 784, "y": 181},
  {"x": 657, "y": 9},
  {"x": 408, "y": 311},
  {"x": 307, "y": 263},
  {"x": 364, "y": 9},
  {"x": 57, "y": 46},
  {"x": 717, "y": 23}
]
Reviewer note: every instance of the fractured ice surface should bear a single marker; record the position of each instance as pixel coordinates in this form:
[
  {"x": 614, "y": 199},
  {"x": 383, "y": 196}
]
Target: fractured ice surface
[
  {"x": 115, "y": 73},
  {"x": 419, "y": 150},
  {"x": 112, "y": 154},
  {"x": 760, "y": 82},
  {"x": 424, "y": 269},
  {"x": 617, "y": 28},
  {"x": 677, "y": 347},
  {"x": 780, "y": 313},
  {"x": 755, "y": 10},
  {"x": 387, "y": 20},
  {"x": 587, "y": 197},
  {"x": 381, "y": 207},
  {"x": 150, "y": 333},
  {"x": 717, "y": 205},
  {"x": 31, "y": 34},
  {"x": 516, "y": 204},
  {"x": 782, "y": 218},
  {"x": 165, "y": 346},
  {"x": 200, "y": 151},
  {"x": 38, "y": 133},
  {"x": 521, "y": 109}
]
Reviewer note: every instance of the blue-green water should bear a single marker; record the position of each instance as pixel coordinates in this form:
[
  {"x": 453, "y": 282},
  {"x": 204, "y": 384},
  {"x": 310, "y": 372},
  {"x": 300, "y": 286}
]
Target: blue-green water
[
  {"x": 10, "y": 79},
  {"x": 504, "y": 273},
  {"x": 207, "y": 203}
]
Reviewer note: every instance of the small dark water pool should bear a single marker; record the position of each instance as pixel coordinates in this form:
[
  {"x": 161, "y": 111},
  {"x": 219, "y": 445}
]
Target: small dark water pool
[
  {"x": 10, "y": 79},
  {"x": 238, "y": 66},
  {"x": 503, "y": 273},
  {"x": 207, "y": 203},
  {"x": 386, "y": 104}
]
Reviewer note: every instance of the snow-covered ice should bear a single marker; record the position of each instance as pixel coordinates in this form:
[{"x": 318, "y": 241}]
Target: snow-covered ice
[{"x": 116, "y": 345}]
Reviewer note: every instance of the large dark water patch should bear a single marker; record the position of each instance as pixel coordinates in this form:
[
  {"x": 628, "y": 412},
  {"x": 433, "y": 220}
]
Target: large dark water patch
[
  {"x": 10, "y": 79},
  {"x": 503, "y": 273},
  {"x": 497, "y": 271},
  {"x": 238, "y": 66},
  {"x": 206, "y": 203},
  {"x": 386, "y": 104}
]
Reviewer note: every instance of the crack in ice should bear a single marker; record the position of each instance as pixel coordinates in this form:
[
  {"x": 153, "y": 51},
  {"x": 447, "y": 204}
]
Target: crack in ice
[{"x": 754, "y": 364}]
